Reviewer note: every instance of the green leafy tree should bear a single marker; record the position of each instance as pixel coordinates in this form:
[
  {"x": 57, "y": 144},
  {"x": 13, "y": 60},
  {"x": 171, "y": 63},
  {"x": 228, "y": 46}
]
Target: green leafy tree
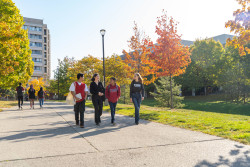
[
  {"x": 62, "y": 76},
  {"x": 205, "y": 66},
  {"x": 235, "y": 75},
  {"x": 163, "y": 93},
  {"x": 15, "y": 54}
]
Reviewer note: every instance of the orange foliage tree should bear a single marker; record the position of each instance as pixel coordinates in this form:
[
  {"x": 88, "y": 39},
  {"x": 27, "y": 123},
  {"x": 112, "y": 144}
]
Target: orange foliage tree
[
  {"x": 137, "y": 56},
  {"x": 241, "y": 27},
  {"x": 169, "y": 56}
]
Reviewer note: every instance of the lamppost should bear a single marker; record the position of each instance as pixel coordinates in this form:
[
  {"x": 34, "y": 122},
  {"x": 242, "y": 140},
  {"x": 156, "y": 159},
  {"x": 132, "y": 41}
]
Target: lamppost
[
  {"x": 58, "y": 81},
  {"x": 102, "y": 31}
]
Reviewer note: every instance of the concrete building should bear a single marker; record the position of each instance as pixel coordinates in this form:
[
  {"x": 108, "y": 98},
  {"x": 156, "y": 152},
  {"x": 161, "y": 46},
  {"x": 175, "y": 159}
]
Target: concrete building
[{"x": 39, "y": 37}]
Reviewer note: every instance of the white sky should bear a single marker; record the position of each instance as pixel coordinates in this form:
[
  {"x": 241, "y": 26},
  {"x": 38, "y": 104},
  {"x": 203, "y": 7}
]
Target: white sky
[{"x": 75, "y": 24}]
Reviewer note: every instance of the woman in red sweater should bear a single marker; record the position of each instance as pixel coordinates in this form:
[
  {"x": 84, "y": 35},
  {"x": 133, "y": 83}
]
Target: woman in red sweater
[{"x": 113, "y": 93}]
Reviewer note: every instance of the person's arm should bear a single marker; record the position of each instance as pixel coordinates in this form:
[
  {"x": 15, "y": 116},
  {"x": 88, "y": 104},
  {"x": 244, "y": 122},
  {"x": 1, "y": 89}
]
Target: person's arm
[
  {"x": 72, "y": 91},
  {"x": 107, "y": 93},
  {"x": 86, "y": 91},
  {"x": 131, "y": 86},
  {"x": 92, "y": 89},
  {"x": 142, "y": 89},
  {"x": 102, "y": 89},
  {"x": 119, "y": 92}
]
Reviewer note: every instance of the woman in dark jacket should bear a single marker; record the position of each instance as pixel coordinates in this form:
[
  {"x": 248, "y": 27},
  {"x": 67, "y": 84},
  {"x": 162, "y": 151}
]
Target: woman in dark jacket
[
  {"x": 137, "y": 95},
  {"x": 41, "y": 97},
  {"x": 97, "y": 90},
  {"x": 32, "y": 96}
]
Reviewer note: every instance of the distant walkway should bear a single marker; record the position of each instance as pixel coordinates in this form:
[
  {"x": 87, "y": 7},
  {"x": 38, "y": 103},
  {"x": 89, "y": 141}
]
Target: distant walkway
[{"x": 49, "y": 137}]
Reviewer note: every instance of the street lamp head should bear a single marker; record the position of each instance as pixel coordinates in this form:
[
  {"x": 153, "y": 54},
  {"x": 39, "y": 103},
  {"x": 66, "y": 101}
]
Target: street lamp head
[{"x": 102, "y": 31}]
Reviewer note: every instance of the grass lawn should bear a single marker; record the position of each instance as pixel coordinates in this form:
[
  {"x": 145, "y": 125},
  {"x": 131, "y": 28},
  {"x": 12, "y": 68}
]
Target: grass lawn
[
  {"x": 202, "y": 114},
  {"x": 7, "y": 104}
]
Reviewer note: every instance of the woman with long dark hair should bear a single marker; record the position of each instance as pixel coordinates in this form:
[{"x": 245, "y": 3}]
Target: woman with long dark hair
[
  {"x": 97, "y": 90},
  {"x": 32, "y": 96},
  {"x": 137, "y": 95}
]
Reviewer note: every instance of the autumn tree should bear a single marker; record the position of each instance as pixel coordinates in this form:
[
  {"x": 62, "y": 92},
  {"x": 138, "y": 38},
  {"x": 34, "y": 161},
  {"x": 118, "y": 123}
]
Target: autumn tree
[
  {"x": 137, "y": 56},
  {"x": 15, "y": 54},
  {"x": 117, "y": 68},
  {"x": 88, "y": 65},
  {"x": 241, "y": 27},
  {"x": 169, "y": 56}
]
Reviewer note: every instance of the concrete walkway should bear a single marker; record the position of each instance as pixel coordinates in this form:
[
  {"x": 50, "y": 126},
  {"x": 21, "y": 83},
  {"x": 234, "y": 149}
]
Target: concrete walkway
[{"x": 49, "y": 137}]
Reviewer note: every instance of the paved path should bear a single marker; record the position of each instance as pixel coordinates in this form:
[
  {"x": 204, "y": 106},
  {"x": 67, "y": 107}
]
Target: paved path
[{"x": 48, "y": 137}]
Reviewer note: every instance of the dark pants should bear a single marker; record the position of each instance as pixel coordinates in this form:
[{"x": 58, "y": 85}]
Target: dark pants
[
  {"x": 112, "y": 108},
  {"x": 20, "y": 101},
  {"x": 136, "y": 97},
  {"x": 98, "y": 104},
  {"x": 79, "y": 108}
]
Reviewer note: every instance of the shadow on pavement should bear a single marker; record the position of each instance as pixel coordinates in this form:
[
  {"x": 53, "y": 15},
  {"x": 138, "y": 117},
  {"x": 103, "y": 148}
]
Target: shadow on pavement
[{"x": 243, "y": 161}]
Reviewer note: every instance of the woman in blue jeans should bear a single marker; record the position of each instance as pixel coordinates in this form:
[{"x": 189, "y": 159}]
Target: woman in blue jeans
[
  {"x": 137, "y": 95},
  {"x": 41, "y": 97}
]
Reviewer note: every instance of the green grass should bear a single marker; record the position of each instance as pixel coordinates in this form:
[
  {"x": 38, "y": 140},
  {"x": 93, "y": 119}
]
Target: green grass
[
  {"x": 202, "y": 114},
  {"x": 7, "y": 104}
]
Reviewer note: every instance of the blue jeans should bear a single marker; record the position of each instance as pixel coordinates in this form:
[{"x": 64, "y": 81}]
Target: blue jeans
[
  {"x": 112, "y": 108},
  {"x": 136, "y": 98},
  {"x": 41, "y": 100}
]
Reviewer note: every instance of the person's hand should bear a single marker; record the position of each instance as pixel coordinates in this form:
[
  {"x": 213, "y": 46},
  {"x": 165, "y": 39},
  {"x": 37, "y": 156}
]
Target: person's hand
[
  {"x": 131, "y": 100},
  {"x": 99, "y": 93},
  {"x": 77, "y": 99},
  {"x": 142, "y": 98}
]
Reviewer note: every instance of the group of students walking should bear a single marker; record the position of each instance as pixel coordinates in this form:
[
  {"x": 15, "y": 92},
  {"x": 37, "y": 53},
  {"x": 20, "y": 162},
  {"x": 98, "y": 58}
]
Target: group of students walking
[
  {"x": 112, "y": 92},
  {"x": 31, "y": 95}
]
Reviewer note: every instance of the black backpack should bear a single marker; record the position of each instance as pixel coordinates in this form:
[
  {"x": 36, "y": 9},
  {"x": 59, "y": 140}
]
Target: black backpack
[
  {"x": 40, "y": 94},
  {"x": 20, "y": 91}
]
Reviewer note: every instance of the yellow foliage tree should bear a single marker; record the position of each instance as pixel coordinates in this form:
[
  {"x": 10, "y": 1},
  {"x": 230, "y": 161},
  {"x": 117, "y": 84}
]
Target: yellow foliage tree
[
  {"x": 15, "y": 54},
  {"x": 37, "y": 84},
  {"x": 87, "y": 65}
]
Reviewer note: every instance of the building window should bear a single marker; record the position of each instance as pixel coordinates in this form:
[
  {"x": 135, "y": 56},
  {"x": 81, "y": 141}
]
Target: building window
[
  {"x": 36, "y": 52},
  {"x": 34, "y": 36},
  {"x": 37, "y": 68},
  {"x": 33, "y": 28},
  {"x": 39, "y": 60},
  {"x": 45, "y": 40},
  {"x": 45, "y": 69},
  {"x": 45, "y": 47},
  {"x": 45, "y": 54},
  {"x": 45, "y": 62},
  {"x": 45, "y": 32},
  {"x": 36, "y": 44},
  {"x": 25, "y": 27}
]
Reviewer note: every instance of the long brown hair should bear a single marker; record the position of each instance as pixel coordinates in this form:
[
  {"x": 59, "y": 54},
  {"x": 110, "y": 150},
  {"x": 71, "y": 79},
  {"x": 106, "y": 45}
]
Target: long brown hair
[{"x": 139, "y": 78}]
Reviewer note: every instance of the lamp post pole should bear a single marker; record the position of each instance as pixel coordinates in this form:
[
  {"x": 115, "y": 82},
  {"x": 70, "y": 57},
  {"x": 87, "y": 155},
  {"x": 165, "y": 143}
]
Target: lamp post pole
[
  {"x": 102, "y": 31},
  {"x": 58, "y": 83}
]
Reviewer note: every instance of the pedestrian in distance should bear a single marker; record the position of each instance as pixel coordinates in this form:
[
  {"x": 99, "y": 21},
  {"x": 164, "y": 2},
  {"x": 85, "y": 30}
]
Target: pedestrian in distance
[
  {"x": 113, "y": 93},
  {"x": 79, "y": 91},
  {"x": 97, "y": 90},
  {"x": 41, "y": 96},
  {"x": 137, "y": 95},
  {"x": 20, "y": 91},
  {"x": 32, "y": 96}
]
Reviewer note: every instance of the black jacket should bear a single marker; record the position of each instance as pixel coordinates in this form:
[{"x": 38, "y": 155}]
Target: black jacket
[{"x": 94, "y": 89}]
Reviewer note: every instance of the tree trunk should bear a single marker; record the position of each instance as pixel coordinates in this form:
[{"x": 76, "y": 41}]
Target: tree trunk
[
  {"x": 205, "y": 90},
  {"x": 124, "y": 94},
  {"x": 171, "y": 97}
]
